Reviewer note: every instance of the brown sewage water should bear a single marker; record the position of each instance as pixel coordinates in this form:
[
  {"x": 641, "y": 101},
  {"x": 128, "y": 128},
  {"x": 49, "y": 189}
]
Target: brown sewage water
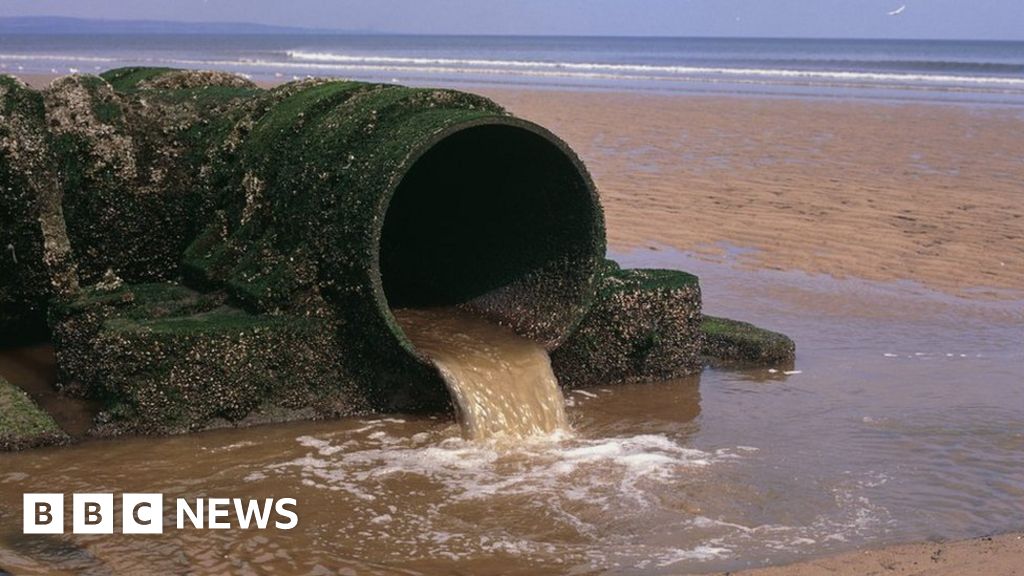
[
  {"x": 902, "y": 420},
  {"x": 501, "y": 383}
]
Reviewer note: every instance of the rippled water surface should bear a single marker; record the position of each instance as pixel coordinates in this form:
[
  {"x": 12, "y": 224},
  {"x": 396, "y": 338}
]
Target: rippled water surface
[{"x": 902, "y": 419}]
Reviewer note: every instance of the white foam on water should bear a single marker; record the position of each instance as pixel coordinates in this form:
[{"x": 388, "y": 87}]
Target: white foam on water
[
  {"x": 474, "y": 65},
  {"x": 412, "y": 489},
  {"x": 699, "y": 553},
  {"x": 925, "y": 356},
  {"x": 410, "y": 68},
  {"x": 229, "y": 447},
  {"x": 469, "y": 470},
  {"x": 622, "y": 504},
  {"x": 60, "y": 57},
  {"x": 13, "y": 477}
]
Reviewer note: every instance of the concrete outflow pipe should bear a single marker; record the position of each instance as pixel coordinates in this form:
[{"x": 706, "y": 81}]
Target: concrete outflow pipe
[
  {"x": 329, "y": 200},
  {"x": 201, "y": 250}
]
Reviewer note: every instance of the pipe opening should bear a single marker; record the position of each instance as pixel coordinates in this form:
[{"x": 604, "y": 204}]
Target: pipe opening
[{"x": 490, "y": 208}]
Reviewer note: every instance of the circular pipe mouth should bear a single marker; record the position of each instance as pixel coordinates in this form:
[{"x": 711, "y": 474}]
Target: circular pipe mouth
[{"x": 495, "y": 214}]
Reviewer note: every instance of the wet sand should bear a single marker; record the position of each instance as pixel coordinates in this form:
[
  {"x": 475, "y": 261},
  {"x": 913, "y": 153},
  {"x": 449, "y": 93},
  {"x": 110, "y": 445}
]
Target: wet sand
[
  {"x": 875, "y": 190},
  {"x": 990, "y": 556},
  {"x": 920, "y": 196}
]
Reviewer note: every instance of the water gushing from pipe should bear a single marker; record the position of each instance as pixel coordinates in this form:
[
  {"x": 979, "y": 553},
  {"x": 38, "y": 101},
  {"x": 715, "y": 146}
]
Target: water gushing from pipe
[{"x": 500, "y": 382}]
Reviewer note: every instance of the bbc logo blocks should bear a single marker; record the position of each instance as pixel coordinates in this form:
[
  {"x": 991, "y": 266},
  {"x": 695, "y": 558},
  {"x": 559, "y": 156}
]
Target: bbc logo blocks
[
  {"x": 43, "y": 513},
  {"x": 142, "y": 513}
]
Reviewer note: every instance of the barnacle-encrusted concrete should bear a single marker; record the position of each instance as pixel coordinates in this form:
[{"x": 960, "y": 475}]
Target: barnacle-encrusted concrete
[
  {"x": 35, "y": 255},
  {"x": 205, "y": 250},
  {"x": 733, "y": 343},
  {"x": 164, "y": 358},
  {"x": 643, "y": 325},
  {"x": 400, "y": 205},
  {"x": 131, "y": 163},
  {"x": 325, "y": 202},
  {"x": 22, "y": 423}
]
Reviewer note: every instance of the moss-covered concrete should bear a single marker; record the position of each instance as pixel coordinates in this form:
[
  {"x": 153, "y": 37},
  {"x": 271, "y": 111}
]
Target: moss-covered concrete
[
  {"x": 343, "y": 199},
  {"x": 77, "y": 324},
  {"x": 733, "y": 343},
  {"x": 22, "y": 423},
  {"x": 644, "y": 325},
  {"x": 130, "y": 162},
  {"x": 163, "y": 358},
  {"x": 321, "y": 201},
  {"x": 35, "y": 255}
]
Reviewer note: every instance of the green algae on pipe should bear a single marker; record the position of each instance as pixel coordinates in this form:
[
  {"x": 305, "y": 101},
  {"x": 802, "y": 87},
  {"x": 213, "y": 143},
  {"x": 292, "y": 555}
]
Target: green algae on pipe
[
  {"x": 734, "y": 343},
  {"x": 355, "y": 198},
  {"x": 22, "y": 423},
  {"x": 129, "y": 171},
  {"x": 297, "y": 218},
  {"x": 163, "y": 358},
  {"x": 93, "y": 179},
  {"x": 317, "y": 190},
  {"x": 328, "y": 199},
  {"x": 35, "y": 254}
]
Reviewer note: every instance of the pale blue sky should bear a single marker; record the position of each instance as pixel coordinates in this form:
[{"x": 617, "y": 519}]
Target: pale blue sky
[{"x": 947, "y": 19}]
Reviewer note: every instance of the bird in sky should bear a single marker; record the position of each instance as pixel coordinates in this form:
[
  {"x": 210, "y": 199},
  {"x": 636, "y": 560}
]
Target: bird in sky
[{"x": 898, "y": 11}]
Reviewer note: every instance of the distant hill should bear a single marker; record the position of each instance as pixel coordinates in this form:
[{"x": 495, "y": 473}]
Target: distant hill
[{"x": 64, "y": 25}]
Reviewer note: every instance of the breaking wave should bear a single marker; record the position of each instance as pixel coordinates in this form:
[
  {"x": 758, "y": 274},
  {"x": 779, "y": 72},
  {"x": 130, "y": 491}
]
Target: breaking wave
[{"x": 630, "y": 71}]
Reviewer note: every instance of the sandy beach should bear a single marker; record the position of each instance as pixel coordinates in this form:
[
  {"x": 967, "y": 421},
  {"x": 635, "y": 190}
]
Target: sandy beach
[
  {"x": 893, "y": 192},
  {"x": 1002, "y": 555},
  {"x": 874, "y": 190}
]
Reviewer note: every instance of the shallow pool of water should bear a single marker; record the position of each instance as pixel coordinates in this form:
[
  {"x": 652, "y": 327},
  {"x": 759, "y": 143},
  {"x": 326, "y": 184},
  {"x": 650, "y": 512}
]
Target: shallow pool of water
[{"x": 902, "y": 419}]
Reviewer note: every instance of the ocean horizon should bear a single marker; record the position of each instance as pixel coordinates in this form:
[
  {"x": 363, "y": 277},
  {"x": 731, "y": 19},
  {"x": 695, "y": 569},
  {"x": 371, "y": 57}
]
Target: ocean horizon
[{"x": 943, "y": 70}]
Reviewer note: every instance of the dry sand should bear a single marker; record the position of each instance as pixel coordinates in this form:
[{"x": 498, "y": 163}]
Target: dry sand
[
  {"x": 37, "y": 81},
  {"x": 884, "y": 191}
]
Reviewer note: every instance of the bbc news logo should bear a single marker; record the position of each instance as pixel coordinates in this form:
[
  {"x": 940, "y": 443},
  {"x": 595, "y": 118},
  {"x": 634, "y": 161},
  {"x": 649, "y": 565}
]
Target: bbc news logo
[{"x": 43, "y": 513}]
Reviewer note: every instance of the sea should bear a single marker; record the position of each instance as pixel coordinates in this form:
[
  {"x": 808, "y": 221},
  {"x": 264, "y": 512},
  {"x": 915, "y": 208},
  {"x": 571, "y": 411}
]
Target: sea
[{"x": 968, "y": 71}]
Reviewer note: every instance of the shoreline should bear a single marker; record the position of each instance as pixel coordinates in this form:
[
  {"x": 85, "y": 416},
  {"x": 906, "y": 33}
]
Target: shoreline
[{"x": 1001, "y": 555}]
